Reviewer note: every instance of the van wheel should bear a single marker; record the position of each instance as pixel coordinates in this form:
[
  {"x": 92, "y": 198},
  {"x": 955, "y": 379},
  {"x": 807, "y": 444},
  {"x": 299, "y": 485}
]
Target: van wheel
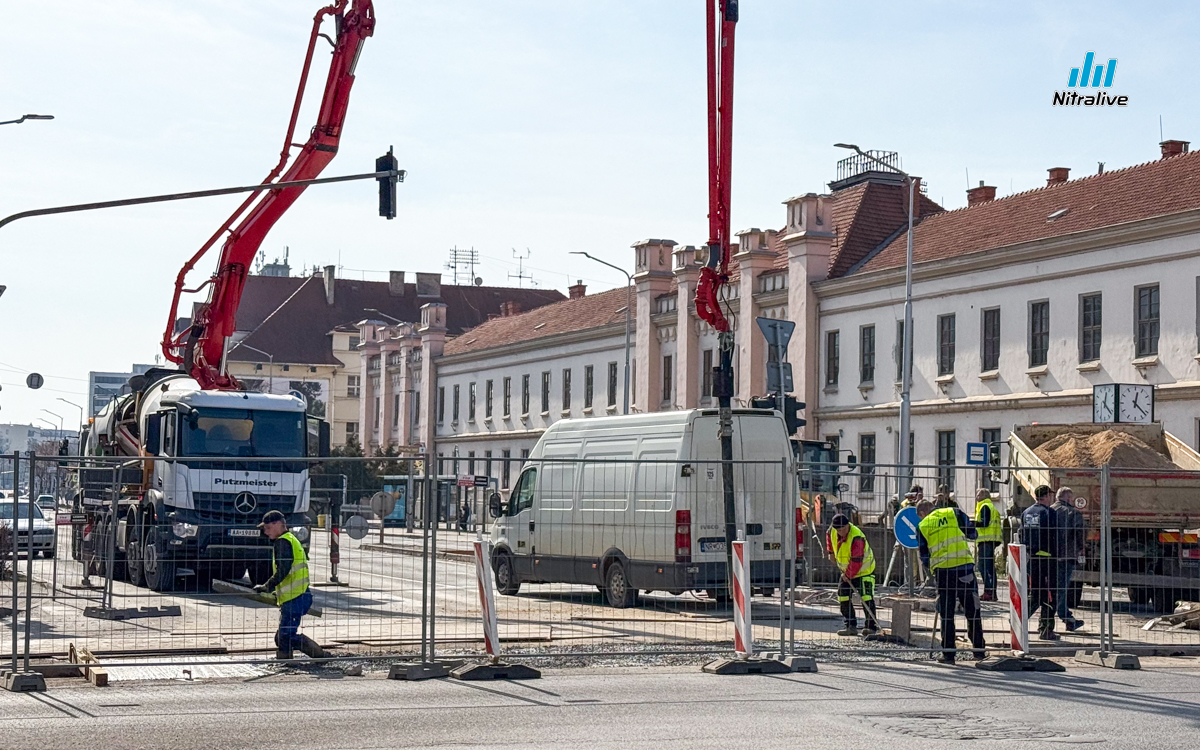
[
  {"x": 617, "y": 588},
  {"x": 506, "y": 577},
  {"x": 720, "y": 596}
]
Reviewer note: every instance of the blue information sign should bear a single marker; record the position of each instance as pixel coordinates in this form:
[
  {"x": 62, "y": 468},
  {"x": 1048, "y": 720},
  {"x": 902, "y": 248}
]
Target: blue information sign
[
  {"x": 977, "y": 454},
  {"x": 906, "y": 527}
]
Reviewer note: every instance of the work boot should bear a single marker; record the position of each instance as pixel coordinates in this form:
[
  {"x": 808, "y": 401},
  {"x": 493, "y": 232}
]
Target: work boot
[
  {"x": 311, "y": 648},
  {"x": 988, "y": 596},
  {"x": 1074, "y": 625},
  {"x": 945, "y": 658},
  {"x": 1049, "y": 635},
  {"x": 869, "y": 630},
  {"x": 850, "y": 629},
  {"x": 284, "y": 654}
]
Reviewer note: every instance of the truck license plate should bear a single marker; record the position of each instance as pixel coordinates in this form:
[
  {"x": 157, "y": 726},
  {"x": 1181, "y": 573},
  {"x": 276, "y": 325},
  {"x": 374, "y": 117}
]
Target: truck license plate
[
  {"x": 712, "y": 546},
  {"x": 244, "y": 532}
]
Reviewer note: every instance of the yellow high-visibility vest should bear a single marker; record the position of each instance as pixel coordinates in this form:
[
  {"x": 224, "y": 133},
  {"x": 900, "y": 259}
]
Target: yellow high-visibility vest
[
  {"x": 295, "y": 582},
  {"x": 841, "y": 551},
  {"x": 947, "y": 544},
  {"x": 991, "y": 532}
]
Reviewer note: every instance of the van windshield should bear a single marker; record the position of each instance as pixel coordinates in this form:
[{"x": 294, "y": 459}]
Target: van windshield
[
  {"x": 522, "y": 494},
  {"x": 243, "y": 432}
]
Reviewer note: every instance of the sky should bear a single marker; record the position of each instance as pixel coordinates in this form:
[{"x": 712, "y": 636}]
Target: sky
[{"x": 530, "y": 127}]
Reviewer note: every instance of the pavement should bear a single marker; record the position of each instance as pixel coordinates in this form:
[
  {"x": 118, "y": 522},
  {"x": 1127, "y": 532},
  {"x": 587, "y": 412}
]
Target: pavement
[{"x": 843, "y": 706}]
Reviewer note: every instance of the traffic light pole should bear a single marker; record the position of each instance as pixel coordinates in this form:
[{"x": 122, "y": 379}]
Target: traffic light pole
[{"x": 389, "y": 175}]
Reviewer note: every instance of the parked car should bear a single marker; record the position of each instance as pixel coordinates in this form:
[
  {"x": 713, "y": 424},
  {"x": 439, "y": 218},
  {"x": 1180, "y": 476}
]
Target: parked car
[
  {"x": 47, "y": 503},
  {"x": 43, "y": 528}
]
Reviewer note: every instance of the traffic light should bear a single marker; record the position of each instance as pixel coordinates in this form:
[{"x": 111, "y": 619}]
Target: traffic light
[
  {"x": 791, "y": 414},
  {"x": 387, "y": 185}
]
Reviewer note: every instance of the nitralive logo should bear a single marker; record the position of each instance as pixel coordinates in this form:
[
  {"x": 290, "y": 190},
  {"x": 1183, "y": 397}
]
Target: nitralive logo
[
  {"x": 1099, "y": 76},
  {"x": 245, "y": 482}
]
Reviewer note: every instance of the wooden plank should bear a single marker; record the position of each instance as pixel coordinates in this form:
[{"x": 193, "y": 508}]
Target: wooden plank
[{"x": 225, "y": 587}]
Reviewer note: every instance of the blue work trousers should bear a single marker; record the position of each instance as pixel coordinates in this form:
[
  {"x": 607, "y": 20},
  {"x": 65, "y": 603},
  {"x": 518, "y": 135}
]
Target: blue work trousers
[{"x": 288, "y": 638}]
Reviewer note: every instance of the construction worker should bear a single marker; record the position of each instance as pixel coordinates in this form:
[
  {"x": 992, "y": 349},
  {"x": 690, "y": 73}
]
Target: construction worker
[
  {"x": 289, "y": 583},
  {"x": 1069, "y": 538},
  {"x": 989, "y": 534},
  {"x": 1038, "y": 532},
  {"x": 847, "y": 546},
  {"x": 943, "y": 547}
]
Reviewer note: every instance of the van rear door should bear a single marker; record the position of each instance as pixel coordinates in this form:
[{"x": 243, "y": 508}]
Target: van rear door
[{"x": 762, "y": 438}]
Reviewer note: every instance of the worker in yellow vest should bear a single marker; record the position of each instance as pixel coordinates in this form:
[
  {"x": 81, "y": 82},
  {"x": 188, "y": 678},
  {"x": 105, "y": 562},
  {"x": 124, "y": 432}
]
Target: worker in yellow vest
[
  {"x": 989, "y": 534},
  {"x": 943, "y": 548},
  {"x": 847, "y": 546},
  {"x": 289, "y": 582}
]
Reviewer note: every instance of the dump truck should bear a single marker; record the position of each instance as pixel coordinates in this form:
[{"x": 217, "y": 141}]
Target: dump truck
[{"x": 1155, "y": 511}]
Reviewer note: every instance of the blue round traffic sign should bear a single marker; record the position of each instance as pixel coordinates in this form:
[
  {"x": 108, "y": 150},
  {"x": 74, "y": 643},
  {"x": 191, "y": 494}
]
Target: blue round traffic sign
[{"x": 906, "y": 527}]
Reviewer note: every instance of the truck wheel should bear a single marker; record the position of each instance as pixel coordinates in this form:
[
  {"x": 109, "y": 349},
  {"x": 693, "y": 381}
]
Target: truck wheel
[
  {"x": 1163, "y": 600},
  {"x": 133, "y": 552},
  {"x": 720, "y": 596},
  {"x": 506, "y": 576},
  {"x": 158, "y": 569},
  {"x": 616, "y": 587},
  {"x": 1139, "y": 595},
  {"x": 48, "y": 554}
]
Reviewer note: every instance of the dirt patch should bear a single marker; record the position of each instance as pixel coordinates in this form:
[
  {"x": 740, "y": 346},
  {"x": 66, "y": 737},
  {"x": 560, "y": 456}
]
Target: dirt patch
[{"x": 1072, "y": 450}]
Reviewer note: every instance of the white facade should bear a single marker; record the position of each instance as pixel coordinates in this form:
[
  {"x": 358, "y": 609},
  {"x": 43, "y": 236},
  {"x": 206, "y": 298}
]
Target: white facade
[{"x": 481, "y": 441}]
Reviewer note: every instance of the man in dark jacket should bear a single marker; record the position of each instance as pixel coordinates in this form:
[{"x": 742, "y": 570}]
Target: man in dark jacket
[
  {"x": 1069, "y": 533},
  {"x": 1038, "y": 536},
  {"x": 943, "y": 536}
]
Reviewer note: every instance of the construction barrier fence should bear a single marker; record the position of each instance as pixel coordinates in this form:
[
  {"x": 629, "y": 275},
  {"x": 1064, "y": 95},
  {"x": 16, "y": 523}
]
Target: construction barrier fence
[{"x": 589, "y": 559}]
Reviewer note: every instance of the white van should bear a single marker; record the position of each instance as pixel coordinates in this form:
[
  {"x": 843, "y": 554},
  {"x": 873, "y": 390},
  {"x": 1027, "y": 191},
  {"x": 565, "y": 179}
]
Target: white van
[{"x": 635, "y": 503}]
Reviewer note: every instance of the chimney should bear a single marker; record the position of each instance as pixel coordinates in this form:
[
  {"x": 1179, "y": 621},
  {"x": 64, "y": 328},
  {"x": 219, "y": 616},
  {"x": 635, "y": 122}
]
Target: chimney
[
  {"x": 1059, "y": 175},
  {"x": 1173, "y": 148},
  {"x": 578, "y": 290},
  {"x": 429, "y": 285},
  {"x": 396, "y": 283},
  {"x": 329, "y": 284},
  {"x": 509, "y": 309},
  {"x": 981, "y": 194}
]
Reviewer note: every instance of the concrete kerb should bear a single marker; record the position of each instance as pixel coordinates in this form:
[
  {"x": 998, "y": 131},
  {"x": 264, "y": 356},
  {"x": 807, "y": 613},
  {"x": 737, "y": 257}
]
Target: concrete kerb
[
  {"x": 24, "y": 682},
  {"x": 1109, "y": 659}
]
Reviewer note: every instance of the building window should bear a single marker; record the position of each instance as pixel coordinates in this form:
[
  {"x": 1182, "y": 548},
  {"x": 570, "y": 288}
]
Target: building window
[
  {"x": 566, "y": 389},
  {"x": 525, "y": 395},
  {"x": 487, "y": 463},
  {"x": 505, "y": 466},
  {"x": 588, "y": 385},
  {"x": 946, "y": 344},
  {"x": 772, "y": 282},
  {"x": 353, "y": 386},
  {"x": 898, "y": 352},
  {"x": 612, "y": 383},
  {"x": 378, "y": 408},
  {"x": 866, "y": 463},
  {"x": 441, "y": 405},
  {"x": 866, "y": 356},
  {"x": 1090, "y": 321},
  {"x": 545, "y": 393},
  {"x": 989, "y": 436},
  {"x": 989, "y": 355},
  {"x": 507, "y": 396},
  {"x": 1147, "y": 321},
  {"x": 488, "y": 392},
  {"x": 416, "y": 408},
  {"x": 471, "y": 402},
  {"x": 354, "y": 342},
  {"x": 668, "y": 375},
  {"x": 668, "y": 304},
  {"x": 832, "y": 358},
  {"x": 706, "y": 373},
  {"x": 945, "y": 458},
  {"x": 352, "y": 431},
  {"x": 1039, "y": 332},
  {"x": 454, "y": 412},
  {"x": 396, "y": 410}
]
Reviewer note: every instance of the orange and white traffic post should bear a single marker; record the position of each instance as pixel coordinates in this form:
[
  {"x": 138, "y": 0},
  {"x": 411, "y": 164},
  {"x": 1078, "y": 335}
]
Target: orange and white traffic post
[{"x": 743, "y": 636}]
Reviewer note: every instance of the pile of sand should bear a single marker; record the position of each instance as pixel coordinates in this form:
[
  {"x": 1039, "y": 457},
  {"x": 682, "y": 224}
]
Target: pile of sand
[{"x": 1072, "y": 450}]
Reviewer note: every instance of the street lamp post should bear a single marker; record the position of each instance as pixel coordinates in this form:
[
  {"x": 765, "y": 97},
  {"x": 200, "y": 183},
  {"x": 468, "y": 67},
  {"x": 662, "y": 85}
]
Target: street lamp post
[
  {"x": 270, "y": 359},
  {"x": 23, "y": 118},
  {"x": 628, "y": 313},
  {"x": 80, "y": 408},
  {"x": 906, "y": 355},
  {"x": 56, "y": 416}
]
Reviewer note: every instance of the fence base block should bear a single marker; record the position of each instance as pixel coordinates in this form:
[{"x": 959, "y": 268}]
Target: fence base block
[
  {"x": 495, "y": 672},
  {"x": 1019, "y": 664},
  {"x": 748, "y": 666},
  {"x": 1109, "y": 659},
  {"x": 793, "y": 663},
  {"x": 424, "y": 671},
  {"x": 25, "y": 682}
]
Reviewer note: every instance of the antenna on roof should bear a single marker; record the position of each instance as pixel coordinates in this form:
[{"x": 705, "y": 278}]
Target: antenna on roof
[
  {"x": 462, "y": 264},
  {"x": 520, "y": 275}
]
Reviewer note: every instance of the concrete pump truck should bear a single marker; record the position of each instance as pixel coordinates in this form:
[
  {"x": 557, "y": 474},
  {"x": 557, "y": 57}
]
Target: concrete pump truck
[{"x": 206, "y": 457}]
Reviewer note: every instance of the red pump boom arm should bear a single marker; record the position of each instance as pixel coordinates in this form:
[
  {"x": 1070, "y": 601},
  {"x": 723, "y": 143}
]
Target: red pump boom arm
[
  {"x": 722, "y": 22},
  {"x": 201, "y": 346}
]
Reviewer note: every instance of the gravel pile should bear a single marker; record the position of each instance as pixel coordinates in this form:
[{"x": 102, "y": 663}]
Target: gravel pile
[{"x": 1072, "y": 450}]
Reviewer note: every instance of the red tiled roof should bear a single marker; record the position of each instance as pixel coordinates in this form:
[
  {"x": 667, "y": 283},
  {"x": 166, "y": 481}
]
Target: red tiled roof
[
  {"x": 1155, "y": 188},
  {"x": 866, "y": 214},
  {"x": 290, "y": 319},
  {"x": 592, "y": 311}
]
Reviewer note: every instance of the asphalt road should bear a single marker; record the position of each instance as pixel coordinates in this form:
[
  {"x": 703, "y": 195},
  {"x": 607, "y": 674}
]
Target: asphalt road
[{"x": 844, "y": 706}]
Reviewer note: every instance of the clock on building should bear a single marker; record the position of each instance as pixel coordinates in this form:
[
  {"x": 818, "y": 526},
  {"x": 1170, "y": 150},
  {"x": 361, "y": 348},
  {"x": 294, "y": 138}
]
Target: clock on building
[
  {"x": 1135, "y": 403},
  {"x": 1104, "y": 403}
]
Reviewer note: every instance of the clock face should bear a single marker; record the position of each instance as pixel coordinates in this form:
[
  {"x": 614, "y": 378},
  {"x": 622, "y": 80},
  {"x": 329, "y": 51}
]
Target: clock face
[
  {"x": 1135, "y": 403},
  {"x": 1104, "y": 403}
]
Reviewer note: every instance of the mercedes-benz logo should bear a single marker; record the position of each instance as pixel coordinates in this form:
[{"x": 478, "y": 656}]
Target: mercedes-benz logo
[{"x": 245, "y": 502}]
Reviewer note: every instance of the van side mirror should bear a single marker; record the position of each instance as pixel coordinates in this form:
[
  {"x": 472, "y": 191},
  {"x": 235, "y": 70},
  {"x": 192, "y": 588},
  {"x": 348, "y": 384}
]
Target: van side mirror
[
  {"x": 495, "y": 509},
  {"x": 852, "y": 460}
]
